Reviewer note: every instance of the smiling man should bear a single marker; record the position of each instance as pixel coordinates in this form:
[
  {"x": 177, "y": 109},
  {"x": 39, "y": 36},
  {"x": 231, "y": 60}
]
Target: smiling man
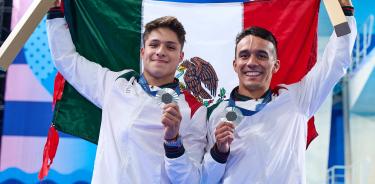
[
  {"x": 256, "y": 61},
  {"x": 265, "y": 141},
  {"x": 137, "y": 137}
]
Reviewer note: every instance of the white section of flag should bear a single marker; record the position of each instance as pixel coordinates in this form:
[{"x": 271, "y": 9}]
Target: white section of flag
[{"x": 211, "y": 30}]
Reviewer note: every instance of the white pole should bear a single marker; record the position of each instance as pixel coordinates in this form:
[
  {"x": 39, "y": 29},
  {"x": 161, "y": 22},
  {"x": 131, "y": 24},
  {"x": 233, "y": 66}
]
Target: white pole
[
  {"x": 346, "y": 111},
  {"x": 337, "y": 17},
  {"x": 22, "y": 31}
]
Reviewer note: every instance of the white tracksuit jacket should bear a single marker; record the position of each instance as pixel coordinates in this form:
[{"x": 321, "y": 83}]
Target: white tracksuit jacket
[
  {"x": 269, "y": 147},
  {"x": 130, "y": 148}
]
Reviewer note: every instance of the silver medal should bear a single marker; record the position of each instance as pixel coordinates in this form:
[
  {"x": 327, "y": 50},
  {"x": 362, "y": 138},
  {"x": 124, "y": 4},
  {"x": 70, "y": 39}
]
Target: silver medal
[
  {"x": 166, "y": 96},
  {"x": 233, "y": 114}
]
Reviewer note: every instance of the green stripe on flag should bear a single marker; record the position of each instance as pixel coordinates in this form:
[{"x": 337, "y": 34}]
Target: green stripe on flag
[{"x": 105, "y": 32}]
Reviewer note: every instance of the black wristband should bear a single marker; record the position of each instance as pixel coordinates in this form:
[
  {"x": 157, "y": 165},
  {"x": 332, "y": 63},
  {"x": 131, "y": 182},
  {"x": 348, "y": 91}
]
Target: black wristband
[
  {"x": 348, "y": 10},
  {"x": 55, "y": 12},
  {"x": 174, "y": 152},
  {"x": 219, "y": 156}
]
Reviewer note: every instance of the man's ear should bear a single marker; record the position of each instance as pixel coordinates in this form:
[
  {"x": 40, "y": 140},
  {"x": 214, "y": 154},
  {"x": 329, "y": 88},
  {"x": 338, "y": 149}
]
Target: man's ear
[
  {"x": 182, "y": 54},
  {"x": 235, "y": 65},
  {"x": 276, "y": 66},
  {"x": 142, "y": 53}
]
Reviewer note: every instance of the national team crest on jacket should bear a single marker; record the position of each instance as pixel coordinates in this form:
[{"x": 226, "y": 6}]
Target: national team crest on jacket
[{"x": 197, "y": 71}]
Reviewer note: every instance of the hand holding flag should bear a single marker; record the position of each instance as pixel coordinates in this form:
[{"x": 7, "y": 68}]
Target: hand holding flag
[
  {"x": 345, "y": 2},
  {"x": 58, "y": 3}
]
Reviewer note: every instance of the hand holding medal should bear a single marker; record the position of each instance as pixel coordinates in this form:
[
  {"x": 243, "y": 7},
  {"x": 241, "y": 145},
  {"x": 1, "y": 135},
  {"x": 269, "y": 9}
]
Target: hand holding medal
[
  {"x": 224, "y": 135},
  {"x": 171, "y": 117},
  {"x": 224, "y": 132}
]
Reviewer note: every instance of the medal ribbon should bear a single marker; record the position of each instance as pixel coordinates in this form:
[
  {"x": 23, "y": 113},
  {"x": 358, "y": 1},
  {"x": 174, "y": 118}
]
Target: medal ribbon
[
  {"x": 146, "y": 87},
  {"x": 246, "y": 112}
]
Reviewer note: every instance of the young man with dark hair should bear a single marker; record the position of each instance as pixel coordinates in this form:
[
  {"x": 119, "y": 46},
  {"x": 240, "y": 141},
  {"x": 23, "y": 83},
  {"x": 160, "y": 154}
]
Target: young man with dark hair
[
  {"x": 267, "y": 141},
  {"x": 137, "y": 137}
]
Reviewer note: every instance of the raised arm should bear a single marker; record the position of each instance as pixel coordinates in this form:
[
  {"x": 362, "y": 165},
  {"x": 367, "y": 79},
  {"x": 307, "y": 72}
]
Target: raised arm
[
  {"x": 313, "y": 89},
  {"x": 88, "y": 78}
]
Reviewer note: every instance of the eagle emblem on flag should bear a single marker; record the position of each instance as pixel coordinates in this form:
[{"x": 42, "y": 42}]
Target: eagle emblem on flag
[{"x": 198, "y": 71}]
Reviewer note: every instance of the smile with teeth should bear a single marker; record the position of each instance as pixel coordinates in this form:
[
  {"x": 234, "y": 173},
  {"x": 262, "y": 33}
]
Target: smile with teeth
[
  {"x": 160, "y": 61},
  {"x": 253, "y": 73}
]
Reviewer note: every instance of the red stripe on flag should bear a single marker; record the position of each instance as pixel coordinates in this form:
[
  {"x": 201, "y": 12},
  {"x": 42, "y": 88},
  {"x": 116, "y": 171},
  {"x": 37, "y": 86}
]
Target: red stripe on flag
[
  {"x": 49, "y": 152},
  {"x": 294, "y": 23},
  {"x": 193, "y": 103},
  {"x": 58, "y": 89},
  {"x": 311, "y": 132}
]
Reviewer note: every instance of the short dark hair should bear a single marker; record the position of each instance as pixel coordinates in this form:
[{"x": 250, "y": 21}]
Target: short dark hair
[
  {"x": 259, "y": 32},
  {"x": 166, "y": 22}
]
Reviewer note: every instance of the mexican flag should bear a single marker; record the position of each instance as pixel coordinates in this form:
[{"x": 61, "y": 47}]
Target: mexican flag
[{"x": 109, "y": 33}]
